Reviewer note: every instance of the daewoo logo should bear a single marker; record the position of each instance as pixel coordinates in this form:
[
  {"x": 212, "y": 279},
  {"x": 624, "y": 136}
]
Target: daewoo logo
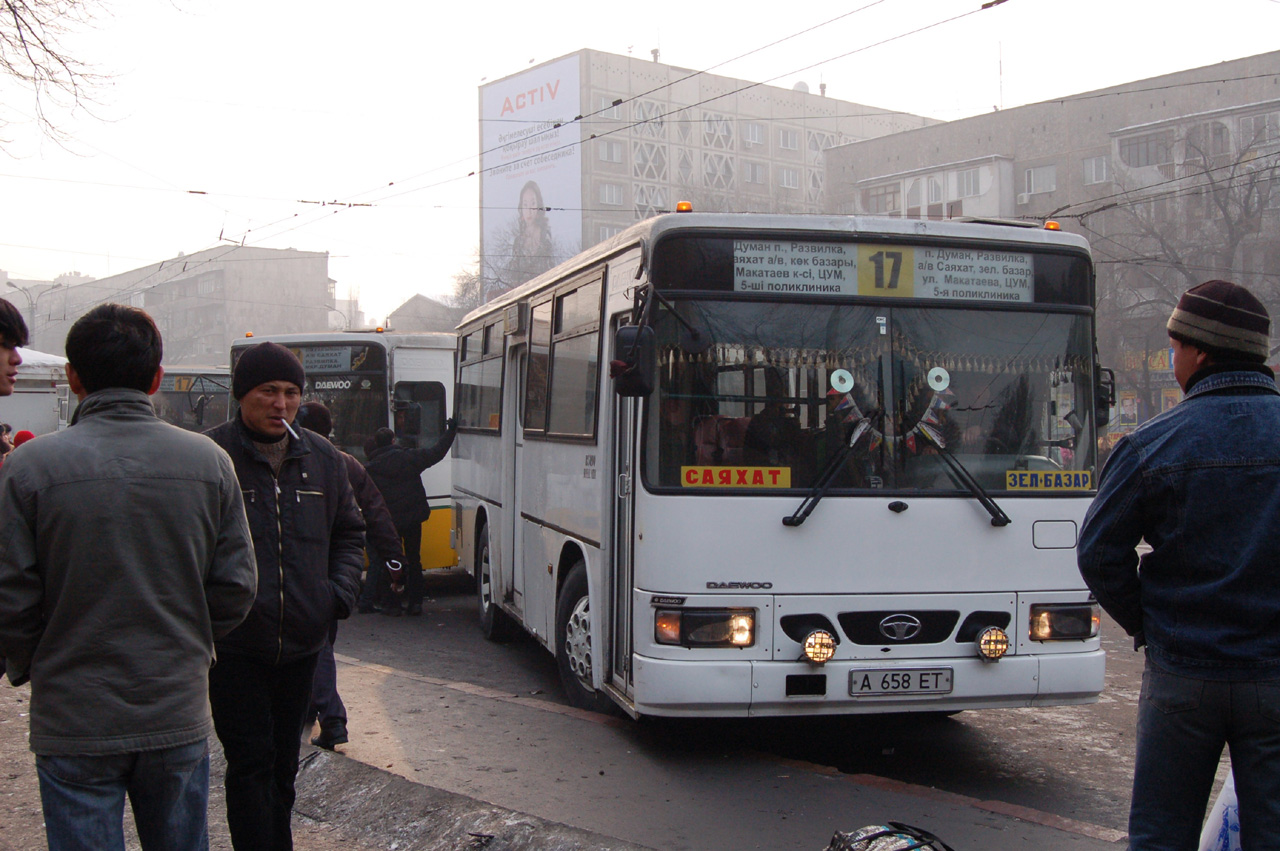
[
  {"x": 755, "y": 586},
  {"x": 333, "y": 385},
  {"x": 900, "y": 627}
]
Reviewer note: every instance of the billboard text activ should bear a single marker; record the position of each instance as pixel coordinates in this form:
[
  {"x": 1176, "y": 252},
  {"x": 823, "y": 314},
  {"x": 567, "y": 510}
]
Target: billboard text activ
[{"x": 531, "y": 179}]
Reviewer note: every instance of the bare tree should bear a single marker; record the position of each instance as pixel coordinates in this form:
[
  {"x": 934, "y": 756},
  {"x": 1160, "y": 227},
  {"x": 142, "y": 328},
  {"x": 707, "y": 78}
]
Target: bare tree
[
  {"x": 33, "y": 34},
  {"x": 1212, "y": 214}
]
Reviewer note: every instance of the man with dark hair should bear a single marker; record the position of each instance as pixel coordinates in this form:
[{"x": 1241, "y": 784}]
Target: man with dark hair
[
  {"x": 308, "y": 536},
  {"x": 398, "y": 474},
  {"x": 13, "y": 334},
  {"x": 383, "y": 546},
  {"x": 126, "y": 555},
  {"x": 1200, "y": 484}
]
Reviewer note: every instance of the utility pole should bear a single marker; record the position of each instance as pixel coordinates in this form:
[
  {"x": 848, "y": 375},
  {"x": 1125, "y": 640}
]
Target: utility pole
[{"x": 32, "y": 294}]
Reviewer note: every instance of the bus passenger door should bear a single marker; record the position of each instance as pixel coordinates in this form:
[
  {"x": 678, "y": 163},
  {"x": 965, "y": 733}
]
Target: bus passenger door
[
  {"x": 513, "y": 574},
  {"x": 620, "y": 578}
]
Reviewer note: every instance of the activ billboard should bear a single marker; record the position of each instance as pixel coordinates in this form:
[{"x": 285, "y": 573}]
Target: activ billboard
[{"x": 531, "y": 173}]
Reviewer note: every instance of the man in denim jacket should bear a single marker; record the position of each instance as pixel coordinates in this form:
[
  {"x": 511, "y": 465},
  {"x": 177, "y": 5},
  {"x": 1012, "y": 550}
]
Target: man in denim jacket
[{"x": 1201, "y": 485}]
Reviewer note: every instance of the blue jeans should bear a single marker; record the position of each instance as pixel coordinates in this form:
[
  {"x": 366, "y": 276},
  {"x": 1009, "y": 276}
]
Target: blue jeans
[
  {"x": 1183, "y": 724},
  {"x": 83, "y": 799}
]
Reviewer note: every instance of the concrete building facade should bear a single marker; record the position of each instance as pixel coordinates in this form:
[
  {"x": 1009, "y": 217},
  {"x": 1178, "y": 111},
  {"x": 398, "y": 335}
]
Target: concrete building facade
[
  {"x": 599, "y": 141},
  {"x": 1170, "y": 178},
  {"x": 202, "y": 301}
]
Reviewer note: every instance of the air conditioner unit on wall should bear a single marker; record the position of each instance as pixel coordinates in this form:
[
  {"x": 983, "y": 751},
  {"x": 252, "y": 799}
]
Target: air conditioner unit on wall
[{"x": 1024, "y": 198}]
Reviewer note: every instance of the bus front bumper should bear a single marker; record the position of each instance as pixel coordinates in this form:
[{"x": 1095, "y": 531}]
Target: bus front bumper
[{"x": 724, "y": 689}]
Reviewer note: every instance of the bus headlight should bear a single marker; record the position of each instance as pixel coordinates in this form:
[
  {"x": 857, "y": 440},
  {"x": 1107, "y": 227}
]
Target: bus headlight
[
  {"x": 705, "y": 627},
  {"x": 819, "y": 646},
  {"x": 1064, "y": 621},
  {"x": 992, "y": 643}
]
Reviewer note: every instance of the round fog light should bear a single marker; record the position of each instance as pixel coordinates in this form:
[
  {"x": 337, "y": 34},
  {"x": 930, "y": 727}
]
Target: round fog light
[
  {"x": 819, "y": 646},
  {"x": 992, "y": 643}
]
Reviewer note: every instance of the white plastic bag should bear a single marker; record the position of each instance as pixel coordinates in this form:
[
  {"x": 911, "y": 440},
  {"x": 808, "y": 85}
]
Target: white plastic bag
[{"x": 1222, "y": 827}]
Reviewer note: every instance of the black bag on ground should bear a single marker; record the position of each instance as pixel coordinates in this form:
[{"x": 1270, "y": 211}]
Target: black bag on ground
[{"x": 893, "y": 836}]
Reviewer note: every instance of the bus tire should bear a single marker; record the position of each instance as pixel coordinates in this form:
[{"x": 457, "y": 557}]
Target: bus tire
[
  {"x": 494, "y": 622},
  {"x": 573, "y": 643}
]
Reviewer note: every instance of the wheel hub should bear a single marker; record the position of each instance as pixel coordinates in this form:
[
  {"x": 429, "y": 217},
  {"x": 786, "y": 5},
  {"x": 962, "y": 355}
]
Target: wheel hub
[{"x": 577, "y": 642}]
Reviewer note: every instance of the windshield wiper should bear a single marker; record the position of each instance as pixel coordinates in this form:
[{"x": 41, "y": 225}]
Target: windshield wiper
[
  {"x": 998, "y": 517},
  {"x": 823, "y": 484}
]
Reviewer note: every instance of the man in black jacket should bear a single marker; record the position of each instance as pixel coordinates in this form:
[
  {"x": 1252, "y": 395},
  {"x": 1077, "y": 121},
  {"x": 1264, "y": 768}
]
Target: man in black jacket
[
  {"x": 398, "y": 474},
  {"x": 308, "y": 536}
]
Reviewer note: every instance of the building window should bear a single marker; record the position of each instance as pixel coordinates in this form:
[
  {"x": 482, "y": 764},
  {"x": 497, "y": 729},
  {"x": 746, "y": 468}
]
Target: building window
[
  {"x": 610, "y": 108},
  {"x": 1209, "y": 139},
  {"x": 789, "y": 140},
  {"x": 684, "y": 167},
  {"x": 1259, "y": 129},
  {"x": 967, "y": 183},
  {"x": 610, "y": 193},
  {"x": 610, "y": 150},
  {"x": 753, "y": 133},
  {"x": 717, "y": 131},
  {"x": 754, "y": 173},
  {"x": 816, "y": 185},
  {"x": 788, "y": 178},
  {"x": 935, "y": 191},
  {"x": 882, "y": 199},
  {"x": 1041, "y": 179},
  {"x": 608, "y": 232},
  {"x": 650, "y": 201},
  {"x": 717, "y": 171},
  {"x": 649, "y": 161},
  {"x": 1139, "y": 151},
  {"x": 649, "y": 119},
  {"x": 1096, "y": 170}
]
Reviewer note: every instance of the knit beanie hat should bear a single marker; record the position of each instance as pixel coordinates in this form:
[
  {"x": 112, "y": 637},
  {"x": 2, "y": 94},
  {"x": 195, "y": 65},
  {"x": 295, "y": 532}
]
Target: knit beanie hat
[
  {"x": 22, "y": 437},
  {"x": 266, "y": 362},
  {"x": 1223, "y": 317}
]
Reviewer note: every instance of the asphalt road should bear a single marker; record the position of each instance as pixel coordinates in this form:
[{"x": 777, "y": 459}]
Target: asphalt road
[{"x": 409, "y": 678}]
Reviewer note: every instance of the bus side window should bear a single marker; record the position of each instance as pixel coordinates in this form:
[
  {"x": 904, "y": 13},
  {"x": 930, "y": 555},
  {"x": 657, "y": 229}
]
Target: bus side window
[{"x": 418, "y": 411}]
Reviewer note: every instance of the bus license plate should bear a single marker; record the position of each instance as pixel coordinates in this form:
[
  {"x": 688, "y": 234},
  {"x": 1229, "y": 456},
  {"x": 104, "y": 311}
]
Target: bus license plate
[{"x": 870, "y": 682}]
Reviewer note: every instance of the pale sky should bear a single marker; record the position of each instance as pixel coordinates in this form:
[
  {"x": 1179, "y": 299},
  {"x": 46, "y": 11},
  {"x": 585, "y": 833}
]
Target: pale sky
[{"x": 263, "y": 105}]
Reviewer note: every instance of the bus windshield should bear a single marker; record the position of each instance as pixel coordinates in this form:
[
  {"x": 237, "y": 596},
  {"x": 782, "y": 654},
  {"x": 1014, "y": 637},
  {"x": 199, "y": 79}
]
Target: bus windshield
[
  {"x": 194, "y": 401},
  {"x": 351, "y": 380},
  {"x": 772, "y": 390}
]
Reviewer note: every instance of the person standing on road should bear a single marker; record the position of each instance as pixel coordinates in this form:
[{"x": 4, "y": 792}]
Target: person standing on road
[
  {"x": 1201, "y": 484},
  {"x": 13, "y": 334},
  {"x": 124, "y": 554},
  {"x": 308, "y": 536},
  {"x": 398, "y": 474},
  {"x": 383, "y": 545}
]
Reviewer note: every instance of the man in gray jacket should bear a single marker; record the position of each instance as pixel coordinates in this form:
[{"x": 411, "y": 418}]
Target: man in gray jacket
[{"x": 124, "y": 552}]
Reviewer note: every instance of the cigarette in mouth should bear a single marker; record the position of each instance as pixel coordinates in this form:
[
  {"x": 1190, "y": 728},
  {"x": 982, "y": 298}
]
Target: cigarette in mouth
[{"x": 289, "y": 429}]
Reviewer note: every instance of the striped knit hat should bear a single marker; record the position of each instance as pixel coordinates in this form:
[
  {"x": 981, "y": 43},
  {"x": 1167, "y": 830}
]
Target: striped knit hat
[{"x": 1224, "y": 318}]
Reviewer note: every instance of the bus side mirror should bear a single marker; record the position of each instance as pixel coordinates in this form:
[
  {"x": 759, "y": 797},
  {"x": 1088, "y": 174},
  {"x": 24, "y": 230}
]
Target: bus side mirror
[
  {"x": 633, "y": 368},
  {"x": 1104, "y": 396}
]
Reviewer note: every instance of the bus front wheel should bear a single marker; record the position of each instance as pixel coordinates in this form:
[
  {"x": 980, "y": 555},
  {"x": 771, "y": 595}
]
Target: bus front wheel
[
  {"x": 493, "y": 621},
  {"x": 573, "y": 643}
]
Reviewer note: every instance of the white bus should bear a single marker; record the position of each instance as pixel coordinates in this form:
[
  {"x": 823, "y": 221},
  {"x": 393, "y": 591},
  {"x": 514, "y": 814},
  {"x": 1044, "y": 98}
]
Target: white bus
[
  {"x": 371, "y": 380},
  {"x": 836, "y": 465}
]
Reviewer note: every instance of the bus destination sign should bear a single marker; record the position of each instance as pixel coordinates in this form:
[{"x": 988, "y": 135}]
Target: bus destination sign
[{"x": 885, "y": 271}]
